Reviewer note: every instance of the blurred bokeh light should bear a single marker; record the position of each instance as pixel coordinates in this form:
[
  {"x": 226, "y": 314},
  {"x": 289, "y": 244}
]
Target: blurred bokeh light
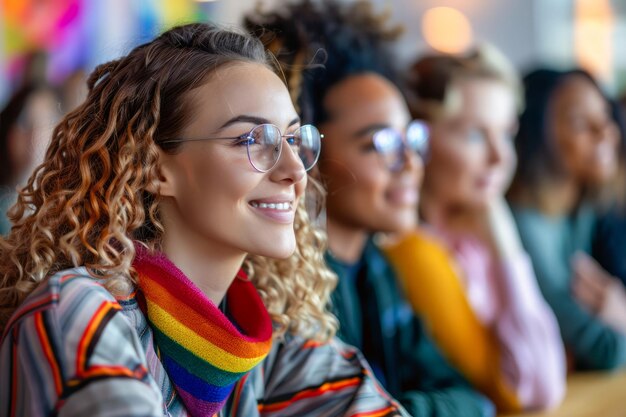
[{"x": 447, "y": 30}]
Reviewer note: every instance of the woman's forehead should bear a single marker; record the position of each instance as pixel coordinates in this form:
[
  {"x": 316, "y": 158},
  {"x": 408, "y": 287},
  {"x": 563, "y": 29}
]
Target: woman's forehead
[
  {"x": 362, "y": 97},
  {"x": 243, "y": 88}
]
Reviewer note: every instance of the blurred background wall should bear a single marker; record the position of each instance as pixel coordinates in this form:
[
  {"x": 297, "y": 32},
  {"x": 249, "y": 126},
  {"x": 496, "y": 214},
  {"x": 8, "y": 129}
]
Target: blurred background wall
[{"x": 76, "y": 35}]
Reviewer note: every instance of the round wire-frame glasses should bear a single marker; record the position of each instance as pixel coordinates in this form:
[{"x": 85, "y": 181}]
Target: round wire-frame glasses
[
  {"x": 264, "y": 145},
  {"x": 391, "y": 143}
]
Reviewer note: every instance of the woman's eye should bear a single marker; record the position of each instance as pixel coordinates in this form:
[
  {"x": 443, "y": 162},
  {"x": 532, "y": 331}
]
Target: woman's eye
[
  {"x": 246, "y": 140},
  {"x": 294, "y": 141},
  {"x": 242, "y": 141},
  {"x": 368, "y": 147},
  {"x": 475, "y": 136},
  {"x": 578, "y": 124}
]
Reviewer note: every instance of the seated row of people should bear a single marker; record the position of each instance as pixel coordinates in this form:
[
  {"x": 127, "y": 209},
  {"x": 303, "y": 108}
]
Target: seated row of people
[{"x": 168, "y": 256}]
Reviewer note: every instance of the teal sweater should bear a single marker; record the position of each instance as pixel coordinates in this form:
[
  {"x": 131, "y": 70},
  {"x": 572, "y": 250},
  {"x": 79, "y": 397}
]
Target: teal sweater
[
  {"x": 375, "y": 316},
  {"x": 551, "y": 242}
]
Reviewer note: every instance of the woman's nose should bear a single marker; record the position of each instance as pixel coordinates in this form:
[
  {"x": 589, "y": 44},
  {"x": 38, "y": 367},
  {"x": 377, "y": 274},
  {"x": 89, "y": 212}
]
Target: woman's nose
[
  {"x": 289, "y": 167},
  {"x": 495, "y": 145},
  {"x": 412, "y": 161}
]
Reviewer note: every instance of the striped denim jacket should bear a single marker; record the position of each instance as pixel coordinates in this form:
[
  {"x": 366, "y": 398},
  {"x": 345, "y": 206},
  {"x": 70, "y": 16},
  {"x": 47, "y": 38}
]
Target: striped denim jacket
[{"x": 72, "y": 349}]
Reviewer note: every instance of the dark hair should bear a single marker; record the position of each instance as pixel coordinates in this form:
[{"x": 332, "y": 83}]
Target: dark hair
[
  {"x": 89, "y": 198},
  {"x": 319, "y": 44},
  {"x": 537, "y": 160}
]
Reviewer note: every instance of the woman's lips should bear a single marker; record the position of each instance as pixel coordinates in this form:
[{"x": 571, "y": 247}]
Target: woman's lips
[
  {"x": 279, "y": 211},
  {"x": 603, "y": 154},
  {"x": 404, "y": 196}
]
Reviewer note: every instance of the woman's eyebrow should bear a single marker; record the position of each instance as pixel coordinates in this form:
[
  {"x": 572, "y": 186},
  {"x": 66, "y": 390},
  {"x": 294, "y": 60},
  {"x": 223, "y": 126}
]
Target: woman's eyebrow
[
  {"x": 369, "y": 129},
  {"x": 244, "y": 118}
]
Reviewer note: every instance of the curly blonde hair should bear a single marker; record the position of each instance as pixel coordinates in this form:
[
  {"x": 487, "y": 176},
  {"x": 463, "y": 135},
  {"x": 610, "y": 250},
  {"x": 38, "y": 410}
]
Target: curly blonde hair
[{"x": 88, "y": 202}]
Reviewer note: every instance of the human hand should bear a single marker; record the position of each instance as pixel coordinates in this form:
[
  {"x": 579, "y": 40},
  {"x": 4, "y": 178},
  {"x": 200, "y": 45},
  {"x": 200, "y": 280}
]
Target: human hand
[
  {"x": 600, "y": 292},
  {"x": 504, "y": 234}
]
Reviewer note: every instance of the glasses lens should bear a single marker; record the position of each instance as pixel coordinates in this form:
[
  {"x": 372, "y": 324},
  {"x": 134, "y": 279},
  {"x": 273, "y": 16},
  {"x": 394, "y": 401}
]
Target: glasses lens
[
  {"x": 388, "y": 144},
  {"x": 307, "y": 143},
  {"x": 264, "y": 146},
  {"x": 417, "y": 134}
]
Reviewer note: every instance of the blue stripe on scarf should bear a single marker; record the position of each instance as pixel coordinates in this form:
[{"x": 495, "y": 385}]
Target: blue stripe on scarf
[{"x": 194, "y": 385}]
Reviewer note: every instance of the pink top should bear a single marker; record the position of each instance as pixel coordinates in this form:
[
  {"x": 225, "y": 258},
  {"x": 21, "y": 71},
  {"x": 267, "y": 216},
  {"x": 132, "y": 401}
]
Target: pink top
[{"x": 506, "y": 298}]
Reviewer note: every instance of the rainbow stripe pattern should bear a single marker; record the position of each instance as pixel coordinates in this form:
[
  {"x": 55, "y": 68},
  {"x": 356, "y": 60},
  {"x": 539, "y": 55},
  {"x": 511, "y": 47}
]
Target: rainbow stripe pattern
[{"x": 203, "y": 352}]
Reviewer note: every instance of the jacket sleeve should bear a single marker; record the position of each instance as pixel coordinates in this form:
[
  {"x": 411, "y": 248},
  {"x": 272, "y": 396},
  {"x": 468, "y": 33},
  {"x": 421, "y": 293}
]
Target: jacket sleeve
[
  {"x": 113, "y": 380},
  {"x": 305, "y": 378},
  {"x": 432, "y": 286},
  {"x": 533, "y": 355},
  {"x": 592, "y": 343},
  {"x": 78, "y": 356}
]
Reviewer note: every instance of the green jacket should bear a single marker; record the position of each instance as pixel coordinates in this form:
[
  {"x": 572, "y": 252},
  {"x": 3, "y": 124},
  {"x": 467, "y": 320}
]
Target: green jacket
[
  {"x": 551, "y": 242},
  {"x": 375, "y": 316}
]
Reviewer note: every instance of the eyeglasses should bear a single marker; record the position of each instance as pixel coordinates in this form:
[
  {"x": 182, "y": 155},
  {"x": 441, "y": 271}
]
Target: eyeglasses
[
  {"x": 264, "y": 144},
  {"x": 391, "y": 144}
]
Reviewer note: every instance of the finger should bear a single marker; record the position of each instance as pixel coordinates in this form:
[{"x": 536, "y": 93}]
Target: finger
[
  {"x": 588, "y": 267},
  {"x": 588, "y": 284},
  {"x": 587, "y": 298}
]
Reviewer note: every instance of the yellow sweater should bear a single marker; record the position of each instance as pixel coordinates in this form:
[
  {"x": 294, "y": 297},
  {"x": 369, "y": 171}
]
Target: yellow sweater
[{"x": 427, "y": 272}]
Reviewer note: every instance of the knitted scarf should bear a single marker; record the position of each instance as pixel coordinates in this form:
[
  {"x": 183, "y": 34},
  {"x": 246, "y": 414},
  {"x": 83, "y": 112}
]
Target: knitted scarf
[{"x": 202, "y": 351}]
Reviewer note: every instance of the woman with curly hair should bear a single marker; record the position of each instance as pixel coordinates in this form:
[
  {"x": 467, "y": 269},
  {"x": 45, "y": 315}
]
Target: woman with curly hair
[
  {"x": 371, "y": 163},
  {"x": 163, "y": 246}
]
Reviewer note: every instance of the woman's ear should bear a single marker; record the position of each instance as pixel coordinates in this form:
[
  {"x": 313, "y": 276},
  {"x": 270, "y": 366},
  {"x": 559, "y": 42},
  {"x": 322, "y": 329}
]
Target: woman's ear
[{"x": 162, "y": 183}]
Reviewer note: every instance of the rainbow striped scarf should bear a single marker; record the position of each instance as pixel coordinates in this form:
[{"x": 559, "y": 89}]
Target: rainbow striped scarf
[{"x": 202, "y": 351}]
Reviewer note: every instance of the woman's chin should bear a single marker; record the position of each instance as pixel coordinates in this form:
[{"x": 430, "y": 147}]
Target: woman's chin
[
  {"x": 601, "y": 176},
  {"x": 402, "y": 225},
  {"x": 276, "y": 251}
]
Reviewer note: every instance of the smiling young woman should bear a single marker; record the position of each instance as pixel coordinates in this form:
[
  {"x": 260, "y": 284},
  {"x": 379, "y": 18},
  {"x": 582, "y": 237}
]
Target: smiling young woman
[{"x": 161, "y": 261}]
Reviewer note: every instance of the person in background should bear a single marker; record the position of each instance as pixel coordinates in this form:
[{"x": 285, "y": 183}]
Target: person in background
[
  {"x": 162, "y": 262},
  {"x": 73, "y": 90},
  {"x": 26, "y": 124},
  {"x": 371, "y": 164},
  {"x": 466, "y": 268},
  {"x": 567, "y": 146}
]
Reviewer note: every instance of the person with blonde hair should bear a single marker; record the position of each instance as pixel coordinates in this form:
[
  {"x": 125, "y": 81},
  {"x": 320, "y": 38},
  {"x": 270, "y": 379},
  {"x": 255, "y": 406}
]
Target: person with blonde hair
[
  {"x": 161, "y": 260},
  {"x": 466, "y": 269}
]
